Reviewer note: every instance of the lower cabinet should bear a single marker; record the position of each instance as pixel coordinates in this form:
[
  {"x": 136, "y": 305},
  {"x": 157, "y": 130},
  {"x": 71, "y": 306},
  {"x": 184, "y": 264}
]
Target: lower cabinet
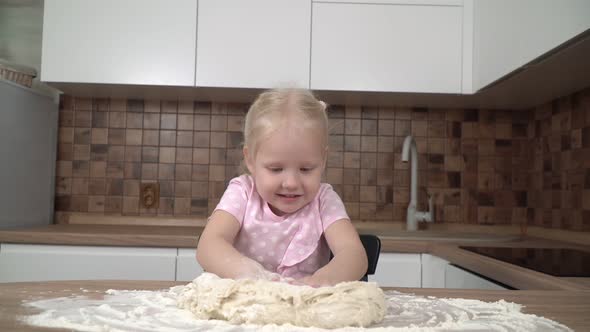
[
  {"x": 187, "y": 267},
  {"x": 398, "y": 270},
  {"x": 31, "y": 262},
  {"x": 456, "y": 277}
]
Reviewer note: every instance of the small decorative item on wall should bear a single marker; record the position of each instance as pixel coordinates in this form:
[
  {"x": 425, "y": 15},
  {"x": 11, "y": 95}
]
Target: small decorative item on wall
[{"x": 150, "y": 195}]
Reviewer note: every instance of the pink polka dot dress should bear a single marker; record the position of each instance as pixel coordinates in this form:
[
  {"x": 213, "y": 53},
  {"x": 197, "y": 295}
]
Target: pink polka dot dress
[{"x": 291, "y": 245}]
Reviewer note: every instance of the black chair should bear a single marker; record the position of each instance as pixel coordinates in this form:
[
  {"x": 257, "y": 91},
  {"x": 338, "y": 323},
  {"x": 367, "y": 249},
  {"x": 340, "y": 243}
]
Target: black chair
[{"x": 372, "y": 246}]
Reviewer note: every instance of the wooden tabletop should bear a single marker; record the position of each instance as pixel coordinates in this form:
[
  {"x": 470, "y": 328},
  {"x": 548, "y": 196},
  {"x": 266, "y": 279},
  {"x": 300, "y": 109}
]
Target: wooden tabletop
[{"x": 567, "y": 307}]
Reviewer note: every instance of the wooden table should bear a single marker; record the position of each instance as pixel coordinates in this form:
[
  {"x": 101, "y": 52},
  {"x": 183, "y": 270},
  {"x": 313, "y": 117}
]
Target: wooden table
[{"x": 567, "y": 307}]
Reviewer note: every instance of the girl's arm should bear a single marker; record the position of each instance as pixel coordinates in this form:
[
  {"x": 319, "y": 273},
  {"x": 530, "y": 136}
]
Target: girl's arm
[
  {"x": 216, "y": 253},
  {"x": 350, "y": 258}
]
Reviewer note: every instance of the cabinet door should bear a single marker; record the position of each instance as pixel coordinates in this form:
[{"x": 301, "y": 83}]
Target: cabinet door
[
  {"x": 433, "y": 271},
  {"x": 121, "y": 42},
  {"x": 30, "y": 262},
  {"x": 386, "y": 47},
  {"x": 456, "y": 277},
  {"x": 253, "y": 44},
  {"x": 397, "y": 270},
  {"x": 187, "y": 267},
  {"x": 509, "y": 34}
]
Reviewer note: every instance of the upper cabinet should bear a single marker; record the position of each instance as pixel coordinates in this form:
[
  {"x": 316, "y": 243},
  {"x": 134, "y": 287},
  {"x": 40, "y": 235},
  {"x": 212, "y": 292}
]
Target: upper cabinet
[
  {"x": 149, "y": 42},
  {"x": 509, "y": 34},
  {"x": 253, "y": 44},
  {"x": 397, "y": 46}
]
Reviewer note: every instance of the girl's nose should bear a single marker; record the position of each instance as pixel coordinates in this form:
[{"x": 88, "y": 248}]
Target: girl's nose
[{"x": 290, "y": 181}]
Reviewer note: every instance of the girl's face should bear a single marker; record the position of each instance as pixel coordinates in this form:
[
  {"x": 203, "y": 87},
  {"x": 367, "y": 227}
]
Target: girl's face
[{"x": 287, "y": 168}]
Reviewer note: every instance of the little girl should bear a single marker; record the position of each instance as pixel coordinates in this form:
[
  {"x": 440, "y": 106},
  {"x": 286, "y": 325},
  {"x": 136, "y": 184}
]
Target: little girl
[{"x": 278, "y": 219}]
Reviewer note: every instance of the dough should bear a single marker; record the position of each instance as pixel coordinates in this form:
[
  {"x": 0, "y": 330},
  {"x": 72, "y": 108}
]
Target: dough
[{"x": 354, "y": 303}]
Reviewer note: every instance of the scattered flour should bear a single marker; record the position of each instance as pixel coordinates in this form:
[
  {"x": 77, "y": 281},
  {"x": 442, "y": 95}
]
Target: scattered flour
[{"x": 157, "y": 311}]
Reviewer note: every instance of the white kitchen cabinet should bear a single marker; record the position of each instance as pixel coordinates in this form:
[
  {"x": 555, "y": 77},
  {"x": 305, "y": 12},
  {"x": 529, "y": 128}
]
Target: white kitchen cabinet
[
  {"x": 509, "y": 34},
  {"x": 433, "y": 271},
  {"x": 145, "y": 42},
  {"x": 31, "y": 262},
  {"x": 253, "y": 44},
  {"x": 187, "y": 267},
  {"x": 388, "y": 47},
  {"x": 456, "y": 277},
  {"x": 398, "y": 270}
]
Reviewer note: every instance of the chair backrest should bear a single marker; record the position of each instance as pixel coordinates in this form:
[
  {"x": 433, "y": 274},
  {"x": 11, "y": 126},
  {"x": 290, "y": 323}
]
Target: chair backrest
[{"x": 372, "y": 246}]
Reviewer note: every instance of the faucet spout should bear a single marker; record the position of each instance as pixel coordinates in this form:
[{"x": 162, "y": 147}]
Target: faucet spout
[{"x": 410, "y": 153}]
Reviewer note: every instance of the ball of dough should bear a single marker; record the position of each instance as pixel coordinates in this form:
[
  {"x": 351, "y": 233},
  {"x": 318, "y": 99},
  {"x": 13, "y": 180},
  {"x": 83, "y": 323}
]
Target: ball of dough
[{"x": 269, "y": 302}]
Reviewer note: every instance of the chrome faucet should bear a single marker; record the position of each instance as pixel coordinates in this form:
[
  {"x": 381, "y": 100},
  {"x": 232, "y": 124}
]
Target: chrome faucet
[{"x": 409, "y": 151}]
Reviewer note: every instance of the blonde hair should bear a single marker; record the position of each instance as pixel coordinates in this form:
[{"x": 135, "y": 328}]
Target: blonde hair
[{"x": 274, "y": 108}]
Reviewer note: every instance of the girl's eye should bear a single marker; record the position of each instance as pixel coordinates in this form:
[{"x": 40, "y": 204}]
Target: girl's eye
[
  {"x": 306, "y": 169},
  {"x": 275, "y": 169}
]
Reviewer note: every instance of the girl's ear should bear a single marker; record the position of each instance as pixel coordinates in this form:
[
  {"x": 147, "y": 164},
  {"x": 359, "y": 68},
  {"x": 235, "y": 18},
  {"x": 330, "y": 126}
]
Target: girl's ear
[{"x": 248, "y": 160}]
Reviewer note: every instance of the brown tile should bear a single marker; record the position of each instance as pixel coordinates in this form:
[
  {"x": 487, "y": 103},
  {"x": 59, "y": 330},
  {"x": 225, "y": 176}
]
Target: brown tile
[
  {"x": 134, "y": 120},
  {"x": 63, "y": 185},
  {"x": 133, "y": 153},
  {"x": 116, "y": 153},
  {"x": 182, "y": 206},
  {"x": 82, "y": 135},
  {"x": 368, "y": 160},
  {"x": 185, "y": 121},
  {"x": 385, "y": 160},
  {"x": 166, "y": 206},
  {"x": 83, "y": 119},
  {"x": 96, "y": 203},
  {"x": 485, "y": 181},
  {"x": 130, "y": 205},
  {"x": 79, "y": 203},
  {"x": 184, "y": 155},
  {"x": 350, "y": 193},
  {"x": 169, "y": 106},
  {"x": 113, "y": 204},
  {"x": 216, "y": 156},
  {"x": 351, "y": 176},
  {"x": 133, "y": 105},
  {"x": 218, "y": 139},
  {"x": 151, "y": 121},
  {"x": 352, "y": 159},
  {"x": 369, "y": 112},
  {"x": 100, "y": 119},
  {"x": 402, "y": 128},
  {"x": 201, "y": 156},
  {"x": 80, "y": 169},
  {"x": 133, "y": 136},
  {"x": 216, "y": 173},
  {"x": 186, "y": 107},
  {"x": 65, "y": 152},
  {"x": 368, "y": 177},
  {"x": 218, "y": 123},
  {"x": 367, "y": 210},
  {"x": 66, "y": 135},
  {"x": 233, "y": 157},
  {"x": 81, "y": 152},
  {"x": 168, "y": 121},
  {"x": 183, "y": 172},
  {"x": 384, "y": 176},
  {"x": 201, "y": 139},
  {"x": 419, "y": 128},
  {"x": 118, "y": 105},
  {"x": 200, "y": 173},
  {"x": 132, "y": 170},
  {"x": 352, "y": 143},
  {"x": 151, "y": 138},
  {"x": 352, "y": 208},
  {"x": 166, "y": 171},
  {"x": 114, "y": 187},
  {"x": 98, "y": 169},
  {"x": 131, "y": 187},
  {"x": 99, "y": 136},
  {"x": 352, "y": 112},
  {"x": 369, "y": 127},
  {"x": 184, "y": 138},
  {"x": 151, "y": 106},
  {"x": 167, "y": 138},
  {"x": 334, "y": 175},
  {"x": 369, "y": 143},
  {"x": 167, "y": 154},
  {"x": 149, "y": 171},
  {"x": 117, "y": 120},
  {"x": 336, "y": 142},
  {"x": 116, "y": 136},
  {"x": 80, "y": 186},
  {"x": 115, "y": 169},
  {"x": 352, "y": 126},
  {"x": 182, "y": 188},
  {"x": 385, "y": 127}
]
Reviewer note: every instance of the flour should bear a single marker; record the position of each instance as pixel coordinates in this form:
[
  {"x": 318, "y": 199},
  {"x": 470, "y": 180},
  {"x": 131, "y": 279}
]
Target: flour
[{"x": 157, "y": 311}]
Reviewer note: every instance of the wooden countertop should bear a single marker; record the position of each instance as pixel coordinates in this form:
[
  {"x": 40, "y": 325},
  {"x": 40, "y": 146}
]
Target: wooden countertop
[
  {"x": 392, "y": 241},
  {"x": 567, "y": 307}
]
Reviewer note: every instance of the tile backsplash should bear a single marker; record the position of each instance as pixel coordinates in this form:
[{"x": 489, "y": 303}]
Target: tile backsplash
[{"x": 481, "y": 166}]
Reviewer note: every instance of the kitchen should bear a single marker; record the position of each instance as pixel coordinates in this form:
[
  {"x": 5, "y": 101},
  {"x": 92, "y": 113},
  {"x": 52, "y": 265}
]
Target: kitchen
[{"x": 495, "y": 95}]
